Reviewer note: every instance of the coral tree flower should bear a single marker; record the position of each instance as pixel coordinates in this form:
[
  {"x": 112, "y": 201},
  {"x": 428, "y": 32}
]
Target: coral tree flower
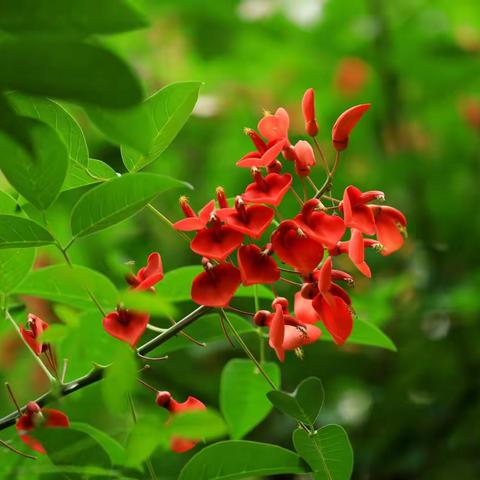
[
  {"x": 148, "y": 276},
  {"x": 265, "y": 159},
  {"x": 308, "y": 110},
  {"x": 191, "y": 404},
  {"x": 292, "y": 245},
  {"x": 126, "y": 325},
  {"x": 270, "y": 189},
  {"x": 275, "y": 127},
  {"x": 215, "y": 286},
  {"x": 36, "y": 417},
  {"x": 345, "y": 124},
  {"x": 34, "y": 328},
  {"x": 303, "y": 157},
  {"x": 193, "y": 221},
  {"x": 389, "y": 224},
  {"x": 257, "y": 266}
]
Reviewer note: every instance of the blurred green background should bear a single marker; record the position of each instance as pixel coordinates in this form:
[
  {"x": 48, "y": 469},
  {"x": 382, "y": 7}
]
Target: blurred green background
[{"x": 411, "y": 414}]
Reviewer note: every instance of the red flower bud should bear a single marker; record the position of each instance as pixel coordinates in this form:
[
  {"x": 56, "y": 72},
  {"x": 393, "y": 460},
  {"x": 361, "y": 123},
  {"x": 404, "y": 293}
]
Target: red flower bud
[
  {"x": 308, "y": 109},
  {"x": 163, "y": 399},
  {"x": 344, "y": 125}
]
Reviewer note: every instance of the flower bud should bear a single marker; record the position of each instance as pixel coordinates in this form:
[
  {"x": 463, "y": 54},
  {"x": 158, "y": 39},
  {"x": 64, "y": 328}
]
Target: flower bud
[
  {"x": 163, "y": 399},
  {"x": 261, "y": 317},
  {"x": 308, "y": 109}
]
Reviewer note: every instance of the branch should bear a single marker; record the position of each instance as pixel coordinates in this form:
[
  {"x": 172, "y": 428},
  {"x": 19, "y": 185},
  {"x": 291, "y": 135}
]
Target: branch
[{"x": 98, "y": 372}]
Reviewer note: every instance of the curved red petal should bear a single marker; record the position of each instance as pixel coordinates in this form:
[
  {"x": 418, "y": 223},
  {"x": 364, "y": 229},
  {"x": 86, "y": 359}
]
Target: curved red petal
[
  {"x": 256, "y": 267},
  {"x": 277, "y": 331},
  {"x": 344, "y": 125},
  {"x": 216, "y": 243},
  {"x": 304, "y": 310},
  {"x": 189, "y": 224},
  {"x": 127, "y": 326},
  {"x": 296, "y": 338},
  {"x": 337, "y": 318},
  {"x": 276, "y": 186},
  {"x": 258, "y": 219}
]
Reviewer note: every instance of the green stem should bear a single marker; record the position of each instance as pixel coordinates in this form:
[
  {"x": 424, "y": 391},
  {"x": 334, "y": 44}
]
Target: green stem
[
  {"x": 322, "y": 156},
  {"x": 165, "y": 220}
]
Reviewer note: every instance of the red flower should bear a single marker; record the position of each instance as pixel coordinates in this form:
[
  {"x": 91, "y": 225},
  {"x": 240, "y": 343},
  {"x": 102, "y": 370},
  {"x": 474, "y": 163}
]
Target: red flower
[
  {"x": 295, "y": 248},
  {"x": 324, "y": 228},
  {"x": 256, "y": 265},
  {"x": 344, "y": 125},
  {"x": 164, "y": 399},
  {"x": 356, "y": 212},
  {"x": 126, "y": 325},
  {"x": 216, "y": 286},
  {"x": 216, "y": 242},
  {"x": 35, "y": 327},
  {"x": 275, "y": 127},
  {"x": 252, "y": 220},
  {"x": 269, "y": 189},
  {"x": 192, "y": 220},
  {"x": 277, "y": 328},
  {"x": 265, "y": 159},
  {"x": 148, "y": 276},
  {"x": 332, "y": 304},
  {"x": 36, "y": 417},
  {"x": 304, "y": 158},
  {"x": 304, "y": 310},
  {"x": 389, "y": 223},
  {"x": 308, "y": 110}
]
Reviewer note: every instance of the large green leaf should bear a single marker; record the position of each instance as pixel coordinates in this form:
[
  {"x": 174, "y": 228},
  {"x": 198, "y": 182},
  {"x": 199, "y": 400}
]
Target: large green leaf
[
  {"x": 71, "y": 286},
  {"x": 18, "y": 232},
  {"x": 58, "y": 118},
  {"x": 58, "y": 16},
  {"x": 117, "y": 200},
  {"x": 237, "y": 459},
  {"x": 364, "y": 333},
  {"x": 304, "y": 403},
  {"x": 96, "y": 172},
  {"x": 69, "y": 70},
  {"x": 147, "y": 130},
  {"x": 177, "y": 284},
  {"x": 206, "y": 329},
  {"x": 198, "y": 424},
  {"x": 327, "y": 451},
  {"x": 8, "y": 205},
  {"x": 39, "y": 177},
  {"x": 243, "y": 395},
  {"x": 15, "y": 263}
]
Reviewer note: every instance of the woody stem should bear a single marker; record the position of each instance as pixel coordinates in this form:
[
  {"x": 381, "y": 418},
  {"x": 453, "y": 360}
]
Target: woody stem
[{"x": 98, "y": 372}]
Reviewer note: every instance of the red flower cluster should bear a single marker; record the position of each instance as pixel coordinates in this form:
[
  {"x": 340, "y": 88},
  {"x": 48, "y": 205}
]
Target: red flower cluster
[
  {"x": 128, "y": 325},
  {"x": 307, "y": 242}
]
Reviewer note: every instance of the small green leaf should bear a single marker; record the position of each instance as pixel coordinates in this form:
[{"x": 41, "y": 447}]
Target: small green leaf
[
  {"x": 364, "y": 333},
  {"x": 117, "y": 200},
  {"x": 59, "y": 17},
  {"x": 237, "y": 459},
  {"x": 147, "y": 130},
  {"x": 197, "y": 425},
  {"x": 96, "y": 172},
  {"x": 68, "y": 69},
  {"x": 176, "y": 285},
  {"x": 120, "y": 379},
  {"x": 328, "y": 452},
  {"x": 243, "y": 395},
  {"x": 304, "y": 403},
  {"x": 71, "y": 286},
  {"x": 56, "y": 117},
  {"x": 38, "y": 178},
  {"x": 18, "y": 232},
  {"x": 15, "y": 264}
]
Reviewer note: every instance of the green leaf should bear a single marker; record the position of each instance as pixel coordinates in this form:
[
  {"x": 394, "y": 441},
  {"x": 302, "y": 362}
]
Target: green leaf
[
  {"x": 69, "y": 70},
  {"x": 304, "y": 403},
  {"x": 176, "y": 285},
  {"x": 120, "y": 379},
  {"x": 63, "y": 284},
  {"x": 237, "y": 459},
  {"x": 207, "y": 329},
  {"x": 148, "y": 433},
  {"x": 8, "y": 205},
  {"x": 59, "y": 17},
  {"x": 115, "y": 451},
  {"x": 198, "y": 424},
  {"x": 146, "y": 302},
  {"x": 67, "y": 446},
  {"x": 38, "y": 178},
  {"x": 243, "y": 395},
  {"x": 117, "y": 200},
  {"x": 15, "y": 264},
  {"x": 147, "y": 130},
  {"x": 364, "y": 333},
  {"x": 55, "y": 333},
  {"x": 18, "y": 232},
  {"x": 56, "y": 117},
  {"x": 328, "y": 452},
  {"x": 96, "y": 172}
]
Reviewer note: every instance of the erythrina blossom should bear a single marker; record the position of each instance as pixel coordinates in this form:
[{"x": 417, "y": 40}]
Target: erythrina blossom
[
  {"x": 191, "y": 404},
  {"x": 275, "y": 127},
  {"x": 126, "y": 325},
  {"x": 215, "y": 286},
  {"x": 270, "y": 189},
  {"x": 257, "y": 266},
  {"x": 265, "y": 159},
  {"x": 308, "y": 110},
  {"x": 148, "y": 276},
  {"x": 35, "y": 417},
  {"x": 192, "y": 220},
  {"x": 292, "y": 246},
  {"x": 304, "y": 158},
  {"x": 389, "y": 224},
  {"x": 34, "y": 328},
  {"x": 345, "y": 124}
]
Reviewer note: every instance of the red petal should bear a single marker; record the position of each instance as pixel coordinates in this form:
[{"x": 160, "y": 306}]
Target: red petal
[
  {"x": 216, "y": 287},
  {"x": 295, "y": 338},
  {"x": 325, "y": 276},
  {"x": 55, "y": 418},
  {"x": 189, "y": 224},
  {"x": 129, "y": 328},
  {"x": 275, "y": 127},
  {"x": 256, "y": 267},
  {"x": 388, "y": 234},
  {"x": 337, "y": 318},
  {"x": 258, "y": 219},
  {"x": 216, "y": 243},
  {"x": 207, "y": 210},
  {"x": 276, "y": 186},
  {"x": 324, "y": 228},
  {"x": 152, "y": 273},
  {"x": 251, "y": 159},
  {"x": 190, "y": 404},
  {"x": 181, "y": 445},
  {"x": 277, "y": 331},
  {"x": 304, "y": 310},
  {"x": 344, "y": 125}
]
